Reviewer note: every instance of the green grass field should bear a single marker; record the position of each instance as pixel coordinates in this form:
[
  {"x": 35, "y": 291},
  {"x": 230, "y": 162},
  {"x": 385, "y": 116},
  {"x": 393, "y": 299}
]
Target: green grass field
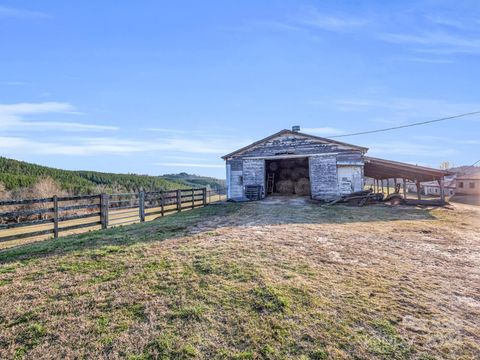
[{"x": 266, "y": 280}]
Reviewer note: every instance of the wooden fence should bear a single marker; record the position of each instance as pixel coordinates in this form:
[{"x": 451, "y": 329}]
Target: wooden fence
[{"x": 35, "y": 219}]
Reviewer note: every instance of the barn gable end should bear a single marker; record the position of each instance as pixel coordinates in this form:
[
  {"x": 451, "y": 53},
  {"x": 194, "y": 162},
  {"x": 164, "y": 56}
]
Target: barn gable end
[
  {"x": 287, "y": 142},
  {"x": 316, "y": 159}
]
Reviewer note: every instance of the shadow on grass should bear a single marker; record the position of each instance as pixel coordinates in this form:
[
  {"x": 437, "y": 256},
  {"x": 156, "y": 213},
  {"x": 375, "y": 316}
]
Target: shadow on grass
[
  {"x": 211, "y": 217},
  {"x": 175, "y": 225}
]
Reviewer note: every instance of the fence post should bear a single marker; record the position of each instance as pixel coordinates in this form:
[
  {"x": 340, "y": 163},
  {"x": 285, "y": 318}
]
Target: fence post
[
  {"x": 55, "y": 216},
  {"x": 179, "y": 200},
  {"x": 193, "y": 198},
  {"x": 162, "y": 203},
  {"x": 141, "y": 205},
  {"x": 204, "y": 194},
  {"x": 104, "y": 210}
]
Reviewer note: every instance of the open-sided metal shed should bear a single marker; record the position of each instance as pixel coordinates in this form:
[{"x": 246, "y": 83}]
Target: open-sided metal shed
[{"x": 381, "y": 169}]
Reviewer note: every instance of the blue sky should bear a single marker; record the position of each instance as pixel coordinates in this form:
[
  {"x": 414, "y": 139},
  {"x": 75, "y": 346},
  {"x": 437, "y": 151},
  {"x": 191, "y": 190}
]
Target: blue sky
[{"x": 159, "y": 87}]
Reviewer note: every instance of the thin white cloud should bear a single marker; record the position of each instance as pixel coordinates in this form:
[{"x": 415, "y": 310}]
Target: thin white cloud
[
  {"x": 406, "y": 108},
  {"x": 435, "y": 42},
  {"x": 429, "y": 60},
  {"x": 443, "y": 21},
  {"x": 12, "y": 118},
  {"x": 10, "y": 12},
  {"x": 325, "y": 131},
  {"x": 166, "y": 130},
  {"x": 35, "y": 108},
  {"x": 446, "y": 140},
  {"x": 401, "y": 148},
  {"x": 187, "y": 165},
  {"x": 63, "y": 126},
  {"x": 336, "y": 23},
  {"x": 14, "y": 83},
  {"x": 114, "y": 146}
]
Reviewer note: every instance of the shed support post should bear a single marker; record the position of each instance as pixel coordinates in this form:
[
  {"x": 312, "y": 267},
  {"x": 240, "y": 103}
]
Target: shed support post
[
  {"x": 405, "y": 188},
  {"x": 419, "y": 195},
  {"x": 388, "y": 187},
  {"x": 442, "y": 189},
  {"x": 382, "y": 185}
]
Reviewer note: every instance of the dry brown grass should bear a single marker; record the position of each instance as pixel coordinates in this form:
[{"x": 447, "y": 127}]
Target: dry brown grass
[{"x": 251, "y": 281}]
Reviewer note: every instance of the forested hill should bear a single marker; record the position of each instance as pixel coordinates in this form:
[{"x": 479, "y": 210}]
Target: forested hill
[
  {"x": 196, "y": 181},
  {"x": 16, "y": 174}
]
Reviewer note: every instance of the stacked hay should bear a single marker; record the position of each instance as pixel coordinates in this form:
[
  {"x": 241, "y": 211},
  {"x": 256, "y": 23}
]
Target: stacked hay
[
  {"x": 285, "y": 187},
  {"x": 286, "y": 164},
  {"x": 301, "y": 162},
  {"x": 285, "y": 174},
  {"x": 302, "y": 187},
  {"x": 298, "y": 173}
]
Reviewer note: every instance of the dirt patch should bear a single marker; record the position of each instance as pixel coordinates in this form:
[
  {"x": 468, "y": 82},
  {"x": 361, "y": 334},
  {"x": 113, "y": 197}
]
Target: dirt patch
[{"x": 282, "y": 278}]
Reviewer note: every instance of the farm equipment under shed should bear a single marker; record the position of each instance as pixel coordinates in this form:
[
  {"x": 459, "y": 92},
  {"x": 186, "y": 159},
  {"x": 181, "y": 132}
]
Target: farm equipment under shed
[{"x": 365, "y": 197}]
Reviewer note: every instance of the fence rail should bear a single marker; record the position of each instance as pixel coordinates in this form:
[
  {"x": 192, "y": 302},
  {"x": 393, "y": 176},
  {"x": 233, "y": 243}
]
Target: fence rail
[{"x": 43, "y": 218}]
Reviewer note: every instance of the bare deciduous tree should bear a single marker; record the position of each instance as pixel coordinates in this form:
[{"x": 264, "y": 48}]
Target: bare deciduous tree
[{"x": 44, "y": 188}]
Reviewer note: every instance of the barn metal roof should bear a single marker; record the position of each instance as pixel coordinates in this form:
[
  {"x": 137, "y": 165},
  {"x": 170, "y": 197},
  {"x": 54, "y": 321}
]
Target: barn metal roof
[
  {"x": 388, "y": 169},
  {"x": 286, "y": 131}
]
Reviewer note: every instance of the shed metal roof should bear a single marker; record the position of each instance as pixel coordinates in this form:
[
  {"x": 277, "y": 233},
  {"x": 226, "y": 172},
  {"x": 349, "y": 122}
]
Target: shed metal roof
[{"x": 387, "y": 169}]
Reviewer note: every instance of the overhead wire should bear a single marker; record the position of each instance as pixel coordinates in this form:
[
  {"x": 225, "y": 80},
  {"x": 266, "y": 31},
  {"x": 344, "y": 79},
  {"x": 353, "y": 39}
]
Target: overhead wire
[{"x": 407, "y": 125}]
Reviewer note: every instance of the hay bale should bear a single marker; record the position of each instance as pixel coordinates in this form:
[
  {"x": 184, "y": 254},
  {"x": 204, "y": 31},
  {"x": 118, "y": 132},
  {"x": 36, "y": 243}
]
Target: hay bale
[
  {"x": 301, "y": 162},
  {"x": 286, "y": 163},
  {"x": 284, "y": 174},
  {"x": 302, "y": 187},
  {"x": 299, "y": 173},
  {"x": 285, "y": 187}
]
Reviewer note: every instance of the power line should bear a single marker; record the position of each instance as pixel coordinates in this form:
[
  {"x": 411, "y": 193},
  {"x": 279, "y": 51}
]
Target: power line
[
  {"x": 475, "y": 163},
  {"x": 407, "y": 125}
]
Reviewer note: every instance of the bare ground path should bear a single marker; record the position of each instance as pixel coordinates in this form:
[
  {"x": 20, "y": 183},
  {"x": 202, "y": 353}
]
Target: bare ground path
[{"x": 282, "y": 278}]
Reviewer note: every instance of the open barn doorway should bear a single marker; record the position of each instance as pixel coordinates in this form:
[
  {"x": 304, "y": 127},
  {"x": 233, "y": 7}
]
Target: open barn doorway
[{"x": 287, "y": 177}]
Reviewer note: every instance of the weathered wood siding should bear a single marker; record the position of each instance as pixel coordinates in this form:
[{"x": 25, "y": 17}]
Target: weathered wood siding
[
  {"x": 234, "y": 178},
  {"x": 350, "y": 179},
  {"x": 323, "y": 177},
  {"x": 293, "y": 144},
  {"x": 254, "y": 172},
  {"x": 325, "y": 160},
  {"x": 350, "y": 158}
]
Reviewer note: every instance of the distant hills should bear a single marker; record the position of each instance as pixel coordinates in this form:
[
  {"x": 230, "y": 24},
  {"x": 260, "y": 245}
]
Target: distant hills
[
  {"x": 16, "y": 174},
  {"x": 465, "y": 170}
]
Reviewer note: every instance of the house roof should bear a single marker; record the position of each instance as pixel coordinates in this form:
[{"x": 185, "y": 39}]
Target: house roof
[
  {"x": 469, "y": 177},
  {"x": 388, "y": 169},
  {"x": 286, "y": 131},
  {"x": 447, "y": 184}
]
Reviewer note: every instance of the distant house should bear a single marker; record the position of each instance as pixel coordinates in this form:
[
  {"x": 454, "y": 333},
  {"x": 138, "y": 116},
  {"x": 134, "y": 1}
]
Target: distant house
[
  {"x": 433, "y": 187},
  {"x": 468, "y": 184}
]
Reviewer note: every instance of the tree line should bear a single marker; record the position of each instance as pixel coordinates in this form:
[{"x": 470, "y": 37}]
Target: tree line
[{"x": 19, "y": 177}]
